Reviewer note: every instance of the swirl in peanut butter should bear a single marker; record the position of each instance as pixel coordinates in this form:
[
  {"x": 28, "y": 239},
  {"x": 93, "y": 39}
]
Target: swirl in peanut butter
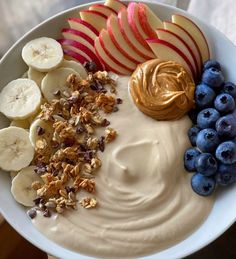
[{"x": 162, "y": 90}]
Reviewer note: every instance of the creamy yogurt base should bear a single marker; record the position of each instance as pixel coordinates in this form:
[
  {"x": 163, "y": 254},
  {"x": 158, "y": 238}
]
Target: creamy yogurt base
[{"x": 145, "y": 199}]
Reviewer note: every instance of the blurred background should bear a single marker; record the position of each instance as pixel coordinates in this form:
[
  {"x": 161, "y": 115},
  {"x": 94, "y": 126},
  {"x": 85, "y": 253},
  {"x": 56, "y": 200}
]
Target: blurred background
[{"x": 18, "y": 17}]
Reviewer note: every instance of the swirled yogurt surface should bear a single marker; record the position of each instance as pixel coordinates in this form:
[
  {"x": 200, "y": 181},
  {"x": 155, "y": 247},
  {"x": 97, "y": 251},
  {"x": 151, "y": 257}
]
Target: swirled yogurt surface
[{"x": 145, "y": 199}]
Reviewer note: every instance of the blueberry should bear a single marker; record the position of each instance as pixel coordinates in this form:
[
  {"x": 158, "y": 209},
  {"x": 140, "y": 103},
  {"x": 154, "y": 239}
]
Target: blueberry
[
  {"x": 226, "y": 126},
  {"x": 229, "y": 88},
  {"x": 203, "y": 185},
  {"x": 224, "y": 103},
  {"x": 192, "y": 134},
  {"x": 189, "y": 159},
  {"x": 211, "y": 63},
  {"x": 207, "y": 118},
  {"x": 204, "y": 96},
  {"x": 226, "y": 152},
  {"x": 207, "y": 140},
  {"x": 206, "y": 164},
  {"x": 226, "y": 174},
  {"x": 213, "y": 77}
]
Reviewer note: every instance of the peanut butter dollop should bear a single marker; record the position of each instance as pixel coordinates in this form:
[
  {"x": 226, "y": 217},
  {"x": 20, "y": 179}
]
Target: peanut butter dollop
[{"x": 163, "y": 90}]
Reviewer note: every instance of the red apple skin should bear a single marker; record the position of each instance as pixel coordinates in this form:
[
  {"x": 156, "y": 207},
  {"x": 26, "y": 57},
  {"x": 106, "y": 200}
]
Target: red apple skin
[
  {"x": 142, "y": 15},
  {"x": 80, "y": 34},
  {"x": 176, "y": 50},
  {"x": 75, "y": 55},
  {"x": 110, "y": 31},
  {"x": 94, "y": 12},
  {"x": 208, "y": 50},
  {"x": 128, "y": 40},
  {"x": 121, "y": 4},
  {"x": 104, "y": 6},
  {"x": 105, "y": 64},
  {"x": 186, "y": 45},
  {"x": 83, "y": 48},
  {"x": 77, "y": 20},
  {"x": 198, "y": 50},
  {"x": 110, "y": 55},
  {"x": 131, "y": 20}
]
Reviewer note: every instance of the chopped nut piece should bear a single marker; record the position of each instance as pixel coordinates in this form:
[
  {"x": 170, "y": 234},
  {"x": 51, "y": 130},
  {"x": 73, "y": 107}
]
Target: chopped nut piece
[
  {"x": 88, "y": 202},
  {"x": 41, "y": 144},
  {"x": 88, "y": 185},
  {"x": 63, "y": 193},
  {"x": 110, "y": 135},
  {"x": 92, "y": 143},
  {"x": 106, "y": 102},
  {"x": 96, "y": 163},
  {"x": 87, "y": 168}
]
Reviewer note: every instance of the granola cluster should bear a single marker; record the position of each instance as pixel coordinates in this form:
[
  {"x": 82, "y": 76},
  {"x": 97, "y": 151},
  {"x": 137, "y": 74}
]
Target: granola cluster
[{"x": 66, "y": 152}]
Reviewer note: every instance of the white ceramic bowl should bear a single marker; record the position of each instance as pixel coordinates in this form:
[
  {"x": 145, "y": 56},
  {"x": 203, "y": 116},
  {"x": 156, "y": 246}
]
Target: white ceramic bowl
[{"x": 223, "y": 214}]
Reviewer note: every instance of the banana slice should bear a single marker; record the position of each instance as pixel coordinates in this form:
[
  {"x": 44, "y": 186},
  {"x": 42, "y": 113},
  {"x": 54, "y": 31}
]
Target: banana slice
[
  {"x": 13, "y": 174},
  {"x": 21, "y": 186},
  {"x": 16, "y": 150},
  {"x": 24, "y": 124},
  {"x": 43, "y": 54},
  {"x": 36, "y": 76},
  {"x": 38, "y": 129},
  {"x": 20, "y": 99},
  {"x": 55, "y": 81},
  {"x": 79, "y": 68}
]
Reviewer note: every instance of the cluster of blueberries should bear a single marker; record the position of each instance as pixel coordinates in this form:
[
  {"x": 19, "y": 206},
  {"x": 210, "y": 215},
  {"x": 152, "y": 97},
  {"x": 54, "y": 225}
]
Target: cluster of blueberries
[{"x": 213, "y": 136}]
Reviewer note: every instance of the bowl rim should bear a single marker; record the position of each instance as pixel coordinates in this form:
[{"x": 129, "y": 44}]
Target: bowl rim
[{"x": 14, "y": 46}]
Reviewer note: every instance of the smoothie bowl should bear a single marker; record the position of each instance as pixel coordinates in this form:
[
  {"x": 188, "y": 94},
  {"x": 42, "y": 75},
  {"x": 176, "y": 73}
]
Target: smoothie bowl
[{"x": 96, "y": 156}]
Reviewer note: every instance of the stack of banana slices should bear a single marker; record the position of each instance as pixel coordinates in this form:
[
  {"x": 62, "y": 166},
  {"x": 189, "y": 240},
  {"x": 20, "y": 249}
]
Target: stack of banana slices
[{"x": 20, "y": 101}]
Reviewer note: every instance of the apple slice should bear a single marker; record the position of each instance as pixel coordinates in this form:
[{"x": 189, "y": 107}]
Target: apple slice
[
  {"x": 135, "y": 25},
  {"x": 129, "y": 36},
  {"x": 83, "y": 26},
  {"x": 71, "y": 34},
  {"x": 96, "y": 19},
  {"x": 107, "y": 61},
  {"x": 119, "y": 41},
  {"x": 69, "y": 54},
  {"x": 115, "y": 5},
  {"x": 180, "y": 44},
  {"x": 148, "y": 20},
  {"x": 114, "y": 54},
  {"x": 80, "y": 49},
  {"x": 184, "y": 35},
  {"x": 196, "y": 33},
  {"x": 106, "y": 10},
  {"x": 166, "y": 51}
]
